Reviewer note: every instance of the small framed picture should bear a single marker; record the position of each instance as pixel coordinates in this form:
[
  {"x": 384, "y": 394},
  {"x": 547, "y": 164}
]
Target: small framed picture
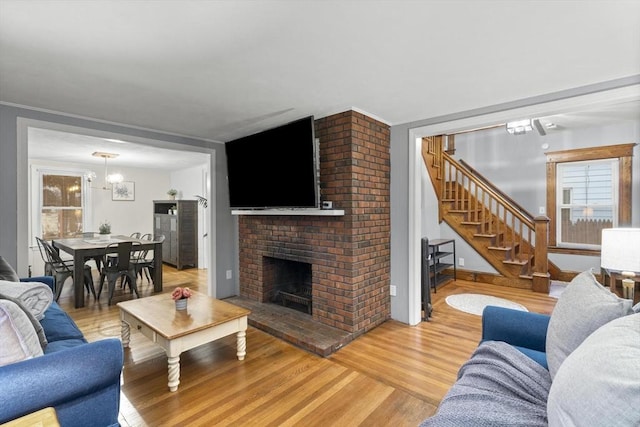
[{"x": 124, "y": 190}]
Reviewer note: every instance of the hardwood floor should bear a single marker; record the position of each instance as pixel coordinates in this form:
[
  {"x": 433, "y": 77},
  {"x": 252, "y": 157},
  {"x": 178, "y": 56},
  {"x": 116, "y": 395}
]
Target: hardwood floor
[{"x": 394, "y": 375}]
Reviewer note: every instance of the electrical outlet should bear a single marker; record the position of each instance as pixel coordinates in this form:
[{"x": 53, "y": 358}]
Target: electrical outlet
[
  {"x": 542, "y": 210},
  {"x": 461, "y": 262},
  {"x": 392, "y": 290},
  {"x": 229, "y": 274}
]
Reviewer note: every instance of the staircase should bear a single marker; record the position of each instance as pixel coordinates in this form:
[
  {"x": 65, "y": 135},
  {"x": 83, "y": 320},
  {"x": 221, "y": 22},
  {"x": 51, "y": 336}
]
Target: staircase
[{"x": 502, "y": 232}]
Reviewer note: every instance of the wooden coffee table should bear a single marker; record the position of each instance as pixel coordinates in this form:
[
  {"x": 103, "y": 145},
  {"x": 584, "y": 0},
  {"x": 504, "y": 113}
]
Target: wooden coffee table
[{"x": 206, "y": 319}]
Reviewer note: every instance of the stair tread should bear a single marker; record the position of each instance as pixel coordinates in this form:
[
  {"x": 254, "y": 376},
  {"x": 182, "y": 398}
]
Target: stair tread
[
  {"x": 515, "y": 262},
  {"x": 466, "y": 210}
]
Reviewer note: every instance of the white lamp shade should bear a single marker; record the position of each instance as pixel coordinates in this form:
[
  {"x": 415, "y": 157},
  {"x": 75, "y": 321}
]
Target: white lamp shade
[{"x": 620, "y": 250}]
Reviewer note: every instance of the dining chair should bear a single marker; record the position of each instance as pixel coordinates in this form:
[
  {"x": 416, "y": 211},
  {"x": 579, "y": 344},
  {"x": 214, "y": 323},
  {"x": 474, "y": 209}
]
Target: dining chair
[
  {"x": 61, "y": 269},
  {"x": 158, "y": 238},
  {"x": 121, "y": 269},
  {"x": 48, "y": 271},
  {"x": 142, "y": 260}
]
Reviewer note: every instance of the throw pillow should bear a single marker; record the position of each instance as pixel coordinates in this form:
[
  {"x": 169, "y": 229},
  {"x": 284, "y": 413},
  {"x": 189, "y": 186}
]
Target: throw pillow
[
  {"x": 36, "y": 296},
  {"x": 599, "y": 383},
  {"x": 583, "y": 307},
  {"x": 7, "y": 272},
  {"x": 42, "y": 337},
  {"x": 19, "y": 339}
]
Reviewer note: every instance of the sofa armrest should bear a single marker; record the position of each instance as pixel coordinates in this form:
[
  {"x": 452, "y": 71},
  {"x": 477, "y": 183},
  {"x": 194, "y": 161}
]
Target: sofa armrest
[
  {"x": 82, "y": 383},
  {"x": 515, "y": 327},
  {"x": 47, "y": 280}
]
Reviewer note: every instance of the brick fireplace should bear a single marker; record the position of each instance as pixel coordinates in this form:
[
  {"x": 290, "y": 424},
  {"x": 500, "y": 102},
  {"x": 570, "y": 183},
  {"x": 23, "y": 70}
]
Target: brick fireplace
[
  {"x": 288, "y": 283},
  {"x": 349, "y": 255}
]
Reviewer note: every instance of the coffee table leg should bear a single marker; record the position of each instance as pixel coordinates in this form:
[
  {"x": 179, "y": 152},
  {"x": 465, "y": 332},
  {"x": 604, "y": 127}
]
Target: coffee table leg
[
  {"x": 125, "y": 333},
  {"x": 241, "y": 345},
  {"x": 174, "y": 372}
]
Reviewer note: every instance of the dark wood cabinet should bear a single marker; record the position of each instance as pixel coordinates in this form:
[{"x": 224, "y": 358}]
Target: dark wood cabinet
[{"x": 177, "y": 220}]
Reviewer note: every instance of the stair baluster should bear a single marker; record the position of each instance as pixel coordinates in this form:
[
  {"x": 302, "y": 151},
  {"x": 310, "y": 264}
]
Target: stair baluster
[{"x": 497, "y": 228}]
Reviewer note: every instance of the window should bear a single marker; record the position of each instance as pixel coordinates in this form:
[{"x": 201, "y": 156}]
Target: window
[
  {"x": 588, "y": 201},
  {"x": 62, "y": 204},
  {"x": 587, "y": 190}
]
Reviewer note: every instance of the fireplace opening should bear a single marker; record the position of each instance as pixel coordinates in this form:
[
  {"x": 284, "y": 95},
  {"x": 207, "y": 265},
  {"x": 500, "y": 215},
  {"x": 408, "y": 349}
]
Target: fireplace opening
[{"x": 289, "y": 283}]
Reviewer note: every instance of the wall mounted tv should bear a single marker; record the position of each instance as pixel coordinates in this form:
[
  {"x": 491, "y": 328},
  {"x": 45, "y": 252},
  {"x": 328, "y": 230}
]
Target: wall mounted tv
[{"x": 274, "y": 169}]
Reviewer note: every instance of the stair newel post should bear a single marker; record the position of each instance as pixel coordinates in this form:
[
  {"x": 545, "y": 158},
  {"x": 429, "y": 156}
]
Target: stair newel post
[
  {"x": 530, "y": 250},
  {"x": 541, "y": 261}
]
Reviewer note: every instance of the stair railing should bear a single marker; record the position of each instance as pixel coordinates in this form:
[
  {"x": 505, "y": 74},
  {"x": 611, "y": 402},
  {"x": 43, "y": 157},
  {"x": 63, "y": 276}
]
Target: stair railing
[
  {"x": 495, "y": 215},
  {"x": 491, "y": 212}
]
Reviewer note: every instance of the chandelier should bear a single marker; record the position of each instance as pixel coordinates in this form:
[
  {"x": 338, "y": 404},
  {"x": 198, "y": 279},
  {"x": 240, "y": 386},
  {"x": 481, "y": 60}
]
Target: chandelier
[{"x": 109, "y": 179}]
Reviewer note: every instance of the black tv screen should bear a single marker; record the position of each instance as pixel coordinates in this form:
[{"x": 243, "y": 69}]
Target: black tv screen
[{"x": 275, "y": 168}]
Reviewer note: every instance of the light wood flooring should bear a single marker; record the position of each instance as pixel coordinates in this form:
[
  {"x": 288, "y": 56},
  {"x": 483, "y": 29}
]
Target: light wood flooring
[{"x": 395, "y": 375}]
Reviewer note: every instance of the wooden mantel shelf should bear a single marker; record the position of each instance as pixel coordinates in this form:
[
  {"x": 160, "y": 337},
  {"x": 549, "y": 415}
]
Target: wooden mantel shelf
[{"x": 307, "y": 212}]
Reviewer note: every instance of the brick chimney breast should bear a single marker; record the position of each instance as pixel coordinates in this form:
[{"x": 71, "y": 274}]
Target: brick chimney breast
[{"x": 350, "y": 254}]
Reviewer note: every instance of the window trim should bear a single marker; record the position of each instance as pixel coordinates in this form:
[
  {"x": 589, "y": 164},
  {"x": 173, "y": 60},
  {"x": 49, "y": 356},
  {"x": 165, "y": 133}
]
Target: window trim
[{"x": 624, "y": 154}]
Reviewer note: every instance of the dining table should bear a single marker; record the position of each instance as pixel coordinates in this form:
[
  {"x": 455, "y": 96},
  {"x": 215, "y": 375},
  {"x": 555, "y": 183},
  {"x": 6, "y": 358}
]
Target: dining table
[{"x": 85, "y": 248}]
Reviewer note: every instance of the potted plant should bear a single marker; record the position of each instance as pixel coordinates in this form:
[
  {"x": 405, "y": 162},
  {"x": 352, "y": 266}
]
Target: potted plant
[
  {"x": 172, "y": 193},
  {"x": 105, "y": 230},
  {"x": 180, "y": 296}
]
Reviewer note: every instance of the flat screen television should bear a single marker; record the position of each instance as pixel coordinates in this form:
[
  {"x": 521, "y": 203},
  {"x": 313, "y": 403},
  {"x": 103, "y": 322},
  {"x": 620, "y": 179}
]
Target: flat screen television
[{"x": 274, "y": 169}]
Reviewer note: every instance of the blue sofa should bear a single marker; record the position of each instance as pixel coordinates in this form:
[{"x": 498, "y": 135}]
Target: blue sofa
[
  {"x": 537, "y": 370},
  {"x": 80, "y": 380},
  {"x": 524, "y": 330}
]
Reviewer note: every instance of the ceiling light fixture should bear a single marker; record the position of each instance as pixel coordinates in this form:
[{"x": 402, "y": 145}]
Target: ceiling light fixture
[
  {"x": 541, "y": 130},
  {"x": 109, "y": 179},
  {"x": 519, "y": 127}
]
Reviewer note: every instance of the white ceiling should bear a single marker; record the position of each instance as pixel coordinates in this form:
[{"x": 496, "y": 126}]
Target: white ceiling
[
  {"x": 223, "y": 69},
  {"x": 63, "y": 146}
]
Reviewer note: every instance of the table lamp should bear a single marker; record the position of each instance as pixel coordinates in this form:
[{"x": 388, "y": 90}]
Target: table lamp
[{"x": 620, "y": 252}]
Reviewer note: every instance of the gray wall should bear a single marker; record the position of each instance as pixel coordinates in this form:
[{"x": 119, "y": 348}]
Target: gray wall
[
  {"x": 13, "y": 233},
  {"x": 400, "y": 222}
]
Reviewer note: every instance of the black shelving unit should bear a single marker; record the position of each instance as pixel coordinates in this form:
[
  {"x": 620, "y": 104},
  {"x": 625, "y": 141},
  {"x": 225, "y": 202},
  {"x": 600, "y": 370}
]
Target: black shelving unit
[
  {"x": 441, "y": 256},
  {"x": 438, "y": 255}
]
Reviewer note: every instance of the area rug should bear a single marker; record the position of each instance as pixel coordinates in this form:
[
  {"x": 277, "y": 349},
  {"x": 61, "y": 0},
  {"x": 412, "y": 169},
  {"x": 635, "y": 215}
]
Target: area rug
[
  {"x": 557, "y": 288},
  {"x": 475, "y": 303}
]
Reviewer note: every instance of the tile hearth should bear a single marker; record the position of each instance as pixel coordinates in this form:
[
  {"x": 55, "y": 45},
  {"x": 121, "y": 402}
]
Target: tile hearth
[{"x": 294, "y": 326}]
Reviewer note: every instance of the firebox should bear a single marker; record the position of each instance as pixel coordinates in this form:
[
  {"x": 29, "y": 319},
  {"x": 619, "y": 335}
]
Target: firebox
[{"x": 288, "y": 283}]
